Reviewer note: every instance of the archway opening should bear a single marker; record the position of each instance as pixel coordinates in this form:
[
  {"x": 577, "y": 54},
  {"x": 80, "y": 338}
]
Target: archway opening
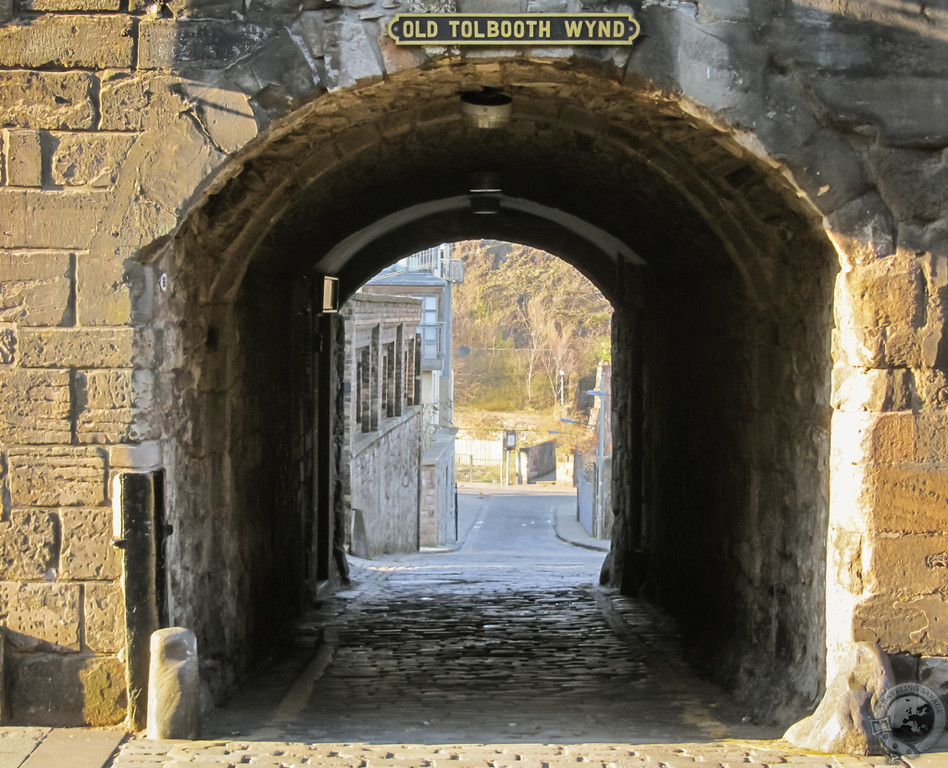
[{"x": 722, "y": 288}]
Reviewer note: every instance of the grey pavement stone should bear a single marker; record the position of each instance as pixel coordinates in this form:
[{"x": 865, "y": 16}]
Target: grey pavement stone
[{"x": 501, "y": 654}]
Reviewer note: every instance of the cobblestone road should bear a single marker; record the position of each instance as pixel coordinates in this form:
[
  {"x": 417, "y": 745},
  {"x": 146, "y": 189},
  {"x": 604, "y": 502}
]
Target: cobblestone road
[{"x": 503, "y": 653}]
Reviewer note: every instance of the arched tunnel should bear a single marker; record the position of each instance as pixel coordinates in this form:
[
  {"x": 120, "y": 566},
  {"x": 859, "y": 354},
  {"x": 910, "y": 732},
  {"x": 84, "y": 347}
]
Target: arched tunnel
[{"x": 721, "y": 282}]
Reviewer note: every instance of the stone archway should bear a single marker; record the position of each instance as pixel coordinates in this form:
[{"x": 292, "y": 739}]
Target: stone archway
[{"x": 722, "y": 285}]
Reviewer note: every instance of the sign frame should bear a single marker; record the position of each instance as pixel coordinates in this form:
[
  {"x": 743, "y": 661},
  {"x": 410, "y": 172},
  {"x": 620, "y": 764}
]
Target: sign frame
[{"x": 506, "y": 29}]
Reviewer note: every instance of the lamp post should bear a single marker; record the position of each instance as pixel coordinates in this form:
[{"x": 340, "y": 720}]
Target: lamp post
[{"x": 600, "y": 459}]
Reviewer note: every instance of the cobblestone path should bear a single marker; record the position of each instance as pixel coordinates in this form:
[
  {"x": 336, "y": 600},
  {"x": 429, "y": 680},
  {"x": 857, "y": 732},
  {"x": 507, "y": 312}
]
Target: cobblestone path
[{"x": 504, "y": 653}]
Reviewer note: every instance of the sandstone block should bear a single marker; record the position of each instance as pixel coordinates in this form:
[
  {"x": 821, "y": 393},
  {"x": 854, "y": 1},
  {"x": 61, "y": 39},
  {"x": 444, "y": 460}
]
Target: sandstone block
[
  {"x": 225, "y": 114},
  {"x": 105, "y": 617},
  {"x": 76, "y": 347},
  {"x": 50, "y": 219},
  {"x": 904, "y": 625},
  {"x": 213, "y": 42},
  {"x": 907, "y": 565},
  {"x": 40, "y": 616},
  {"x": 157, "y": 41},
  {"x": 57, "y": 6},
  {"x": 28, "y": 545},
  {"x": 872, "y": 389},
  {"x": 54, "y": 100},
  {"x": 103, "y": 291},
  {"x": 56, "y": 476},
  {"x": 37, "y": 406},
  {"x": 87, "y": 551},
  {"x": 35, "y": 288},
  {"x": 24, "y": 159},
  {"x": 88, "y": 159},
  {"x": 76, "y": 42},
  {"x": 880, "y": 307},
  {"x": 113, "y": 405},
  {"x": 125, "y": 101},
  {"x": 907, "y": 500},
  {"x": 892, "y": 438},
  {"x": 863, "y": 230},
  {"x": 67, "y": 691}
]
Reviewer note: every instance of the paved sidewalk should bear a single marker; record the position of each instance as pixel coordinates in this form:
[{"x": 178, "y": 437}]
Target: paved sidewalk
[{"x": 30, "y": 747}]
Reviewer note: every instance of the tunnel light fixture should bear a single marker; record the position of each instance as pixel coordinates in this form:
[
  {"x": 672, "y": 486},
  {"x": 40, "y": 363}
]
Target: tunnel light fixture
[
  {"x": 487, "y": 108},
  {"x": 484, "y": 182}
]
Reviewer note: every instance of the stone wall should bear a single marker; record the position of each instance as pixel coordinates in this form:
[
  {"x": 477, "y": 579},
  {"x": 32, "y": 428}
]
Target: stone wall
[
  {"x": 384, "y": 448},
  {"x": 438, "y": 511},
  {"x": 172, "y": 170}
]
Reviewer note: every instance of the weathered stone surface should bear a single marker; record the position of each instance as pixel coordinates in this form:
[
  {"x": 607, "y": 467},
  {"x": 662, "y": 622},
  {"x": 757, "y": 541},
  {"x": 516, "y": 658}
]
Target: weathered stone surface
[
  {"x": 24, "y": 159},
  {"x": 881, "y": 307},
  {"x": 103, "y": 291},
  {"x": 87, "y": 551},
  {"x": 113, "y": 403},
  {"x": 146, "y": 455},
  {"x": 88, "y": 159},
  {"x": 904, "y": 625},
  {"x": 79, "y": 42},
  {"x": 907, "y": 499},
  {"x": 863, "y": 230},
  {"x": 907, "y": 565},
  {"x": 910, "y": 110},
  {"x": 29, "y": 545},
  {"x": 204, "y": 42},
  {"x": 352, "y": 55},
  {"x": 56, "y": 476},
  {"x": 872, "y": 389},
  {"x": 842, "y": 722},
  {"x": 914, "y": 184},
  {"x": 73, "y": 690},
  {"x": 124, "y": 101},
  {"x": 8, "y": 344},
  {"x": 157, "y": 40},
  {"x": 40, "y": 616},
  {"x": 104, "y": 617},
  {"x": 61, "y": 100},
  {"x": 44, "y": 416},
  {"x": 173, "y": 711},
  {"x": 75, "y": 347},
  {"x": 281, "y": 61},
  {"x": 225, "y": 114},
  {"x": 57, "y": 6},
  {"x": 35, "y": 288},
  {"x": 50, "y": 219},
  {"x": 933, "y": 672}
]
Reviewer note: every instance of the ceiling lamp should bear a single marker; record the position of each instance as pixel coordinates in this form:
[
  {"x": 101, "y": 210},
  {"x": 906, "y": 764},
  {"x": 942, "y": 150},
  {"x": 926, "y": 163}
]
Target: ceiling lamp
[{"x": 487, "y": 108}]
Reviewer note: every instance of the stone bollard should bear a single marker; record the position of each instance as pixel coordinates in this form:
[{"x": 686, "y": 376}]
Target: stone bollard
[{"x": 173, "y": 704}]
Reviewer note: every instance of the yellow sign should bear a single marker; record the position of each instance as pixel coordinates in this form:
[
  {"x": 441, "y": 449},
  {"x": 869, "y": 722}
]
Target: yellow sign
[{"x": 513, "y": 29}]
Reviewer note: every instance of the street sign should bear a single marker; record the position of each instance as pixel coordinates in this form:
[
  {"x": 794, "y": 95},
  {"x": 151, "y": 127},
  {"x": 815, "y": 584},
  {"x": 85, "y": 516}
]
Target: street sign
[{"x": 513, "y": 29}]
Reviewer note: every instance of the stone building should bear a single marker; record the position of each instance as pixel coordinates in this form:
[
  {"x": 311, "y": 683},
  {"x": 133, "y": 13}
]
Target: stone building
[
  {"x": 429, "y": 276},
  {"x": 759, "y": 188},
  {"x": 384, "y": 425}
]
